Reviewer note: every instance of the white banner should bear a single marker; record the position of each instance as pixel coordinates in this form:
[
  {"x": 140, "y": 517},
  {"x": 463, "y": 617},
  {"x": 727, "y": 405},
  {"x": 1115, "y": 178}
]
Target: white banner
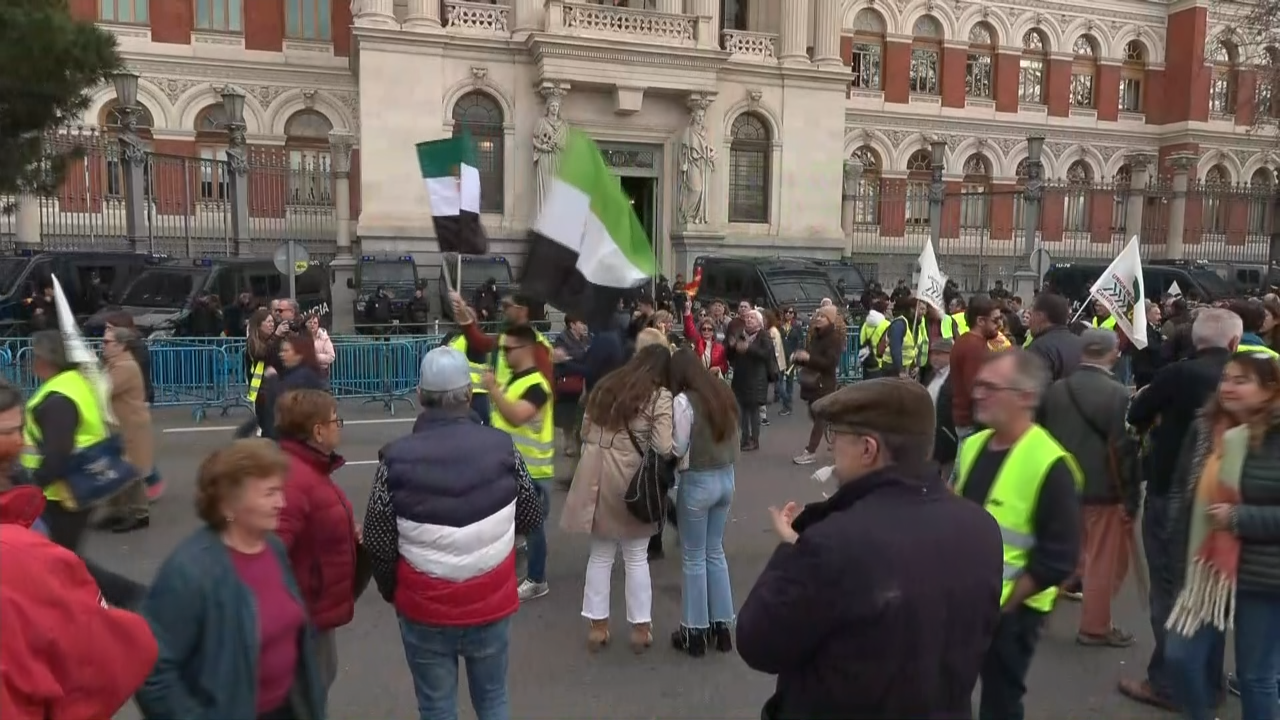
[
  {"x": 79, "y": 353},
  {"x": 1174, "y": 290},
  {"x": 931, "y": 283},
  {"x": 1120, "y": 290}
]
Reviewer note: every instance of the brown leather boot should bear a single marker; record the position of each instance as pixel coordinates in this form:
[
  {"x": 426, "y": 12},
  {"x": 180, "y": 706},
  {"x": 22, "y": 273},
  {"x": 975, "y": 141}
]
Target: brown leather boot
[
  {"x": 598, "y": 635},
  {"x": 641, "y": 637}
]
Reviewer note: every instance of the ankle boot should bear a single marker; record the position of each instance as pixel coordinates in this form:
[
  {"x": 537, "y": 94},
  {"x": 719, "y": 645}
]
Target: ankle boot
[
  {"x": 641, "y": 637},
  {"x": 691, "y": 641},
  {"x": 722, "y": 634},
  {"x": 598, "y": 635}
]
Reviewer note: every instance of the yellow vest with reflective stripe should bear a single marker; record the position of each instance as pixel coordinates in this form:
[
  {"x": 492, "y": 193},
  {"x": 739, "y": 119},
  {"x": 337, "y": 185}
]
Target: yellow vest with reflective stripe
[
  {"x": 255, "y": 381},
  {"x": 1107, "y": 324},
  {"x": 908, "y": 345},
  {"x": 535, "y": 439},
  {"x": 962, "y": 325},
  {"x": 91, "y": 430},
  {"x": 1026, "y": 343},
  {"x": 502, "y": 373},
  {"x": 870, "y": 339},
  {"x": 477, "y": 369},
  {"x": 949, "y": 327},
  {"x": 1013, "y": 497},
  {"x": 1256, "y": 350},
  {"x": 922, "y": 341}
]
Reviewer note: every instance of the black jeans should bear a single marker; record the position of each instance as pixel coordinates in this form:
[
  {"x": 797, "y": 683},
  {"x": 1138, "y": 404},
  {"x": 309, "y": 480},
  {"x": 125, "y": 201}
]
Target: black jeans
[
  {"x": 1155, "y": 543},
  {"x": 67, "y": 528},
  {"x": 749, "y": 421},
  {"x": 1004, "y": 669}
]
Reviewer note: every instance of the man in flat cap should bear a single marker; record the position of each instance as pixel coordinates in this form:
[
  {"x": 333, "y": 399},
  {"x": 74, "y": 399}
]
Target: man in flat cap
[{"x": 881, "y": 600}]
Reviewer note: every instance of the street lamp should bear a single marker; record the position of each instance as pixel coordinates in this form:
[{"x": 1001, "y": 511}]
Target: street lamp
[
  {"x": 1035, "y": 144},
  {"x": 126, "y": 85},
  {"x": 938, "y": 154},
  {"x": 233, "y": 104}
]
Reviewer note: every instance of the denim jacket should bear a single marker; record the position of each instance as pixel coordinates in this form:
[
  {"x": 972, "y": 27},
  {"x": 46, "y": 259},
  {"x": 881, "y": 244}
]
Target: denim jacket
[{"x": 206, "y": 623}]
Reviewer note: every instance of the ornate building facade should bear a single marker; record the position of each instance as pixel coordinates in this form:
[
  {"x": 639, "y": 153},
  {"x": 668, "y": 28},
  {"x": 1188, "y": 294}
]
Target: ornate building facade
[{"x": 749, "y": 126}]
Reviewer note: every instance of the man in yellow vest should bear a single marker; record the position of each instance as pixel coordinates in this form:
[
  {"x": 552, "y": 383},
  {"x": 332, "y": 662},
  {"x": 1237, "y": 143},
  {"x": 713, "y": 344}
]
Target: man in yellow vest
[
  {"x": 873, "y": 329},
  {"x": 515, "y": 311},
  {"x": 478, "y": 365},
  {"x": 1102, "y": 317},
  {"x": 1030, "y": 485},
  {"x": 522, "y": 406},
  {"x": 897, "y": 347},
  {"x": 958, "y": 307}
]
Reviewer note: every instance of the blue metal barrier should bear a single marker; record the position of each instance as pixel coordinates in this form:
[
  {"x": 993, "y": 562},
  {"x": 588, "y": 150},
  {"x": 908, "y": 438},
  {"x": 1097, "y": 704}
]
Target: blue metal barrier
[{"x": 209, "y": 373}]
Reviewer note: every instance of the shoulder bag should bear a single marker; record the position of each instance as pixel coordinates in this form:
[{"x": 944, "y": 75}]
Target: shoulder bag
[{"x": 646, "y": 493}]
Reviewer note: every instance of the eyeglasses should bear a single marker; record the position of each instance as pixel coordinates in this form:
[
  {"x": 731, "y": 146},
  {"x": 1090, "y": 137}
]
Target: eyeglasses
[
  {"x": 336, "y": 422},
  {"x": 707, "y": 328},
  {"x": 988, "y": 386},
  {"x": 511, "y": 348}
]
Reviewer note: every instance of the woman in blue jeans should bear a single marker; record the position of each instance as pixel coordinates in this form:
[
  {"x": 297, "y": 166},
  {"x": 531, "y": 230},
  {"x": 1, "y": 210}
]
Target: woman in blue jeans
[
  {"x": 1248, "y": 395},
  {"x": 705, "y": 434}
]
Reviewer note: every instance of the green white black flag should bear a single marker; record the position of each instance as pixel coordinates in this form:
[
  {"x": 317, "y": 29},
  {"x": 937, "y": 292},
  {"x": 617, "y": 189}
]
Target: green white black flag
[{"x": 453, "y": 188}]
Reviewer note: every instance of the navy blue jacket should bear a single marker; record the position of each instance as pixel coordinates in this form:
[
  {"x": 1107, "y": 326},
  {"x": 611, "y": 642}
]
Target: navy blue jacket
[{"x": 205, "y": 621}]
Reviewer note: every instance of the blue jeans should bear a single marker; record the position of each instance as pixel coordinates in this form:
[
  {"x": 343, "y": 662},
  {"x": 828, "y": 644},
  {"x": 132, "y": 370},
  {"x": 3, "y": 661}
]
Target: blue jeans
[
  {"x": 536, "y": 541},
  {"x": 1257, "y": 653},
  {"x": 480, "y": 406},
  {"x": 702, "y": 511},
  {"x": 782, "y": 390},
  {"x": 1193, "y": 667},
  {"x": 433, "y": 652}
]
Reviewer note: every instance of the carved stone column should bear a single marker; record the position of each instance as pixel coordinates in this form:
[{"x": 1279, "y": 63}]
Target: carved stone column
[
  {"x": 28, "y": 222},
  {"x": 708, "y": 14},
  {"x": 795, "y": 31},
  {"x": 528, "y": 15},
  {"x": 826, "y": 33},
  {"x": 133, "y": 161},
  {"x": 1142, "y": 168},
  {"x": 340, "y": 145},
  {"x": 423, "y": 15},
  {"x": 1182, "y": 164},
  {"x": 238, "y": 182},
  {"x": 671, "y": 7},
  {"x": 373, "y": 13}
]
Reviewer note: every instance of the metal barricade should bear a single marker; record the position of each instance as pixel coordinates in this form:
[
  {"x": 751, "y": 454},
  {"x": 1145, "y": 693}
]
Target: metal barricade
[
  {"x": 197, "y": 375},
  {"x": 380, "y": 372}
]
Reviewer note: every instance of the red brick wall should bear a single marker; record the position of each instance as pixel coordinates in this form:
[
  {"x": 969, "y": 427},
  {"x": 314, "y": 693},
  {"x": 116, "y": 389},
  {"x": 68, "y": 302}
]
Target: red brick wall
[
  {"x": 895, "y": 75},
  {"x": 86, "y": 10},
  {"x": 264, "y": 25},
  {"x": 340, "y": 19},
  {"x": 953, "y": 61},
  {"x": 1184, "y": 68},
  {"x": 172, "y": 21},
  {"x": 1107, "y": 92},
  {"x": 1057, "y": 90},
  {"x": 1006, "y": 90}
]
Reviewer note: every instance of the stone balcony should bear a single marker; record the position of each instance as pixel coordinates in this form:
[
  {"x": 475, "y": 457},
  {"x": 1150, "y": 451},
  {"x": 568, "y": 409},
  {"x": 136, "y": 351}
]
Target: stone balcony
[
  {"x": 476, "y": 18},
  {"x": 604, "y": 22},
  {"x": 748, "y": 46}
]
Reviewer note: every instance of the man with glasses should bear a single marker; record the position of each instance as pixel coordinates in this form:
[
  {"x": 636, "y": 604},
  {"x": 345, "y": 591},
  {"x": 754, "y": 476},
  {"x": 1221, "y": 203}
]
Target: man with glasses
[
  {"x": 967, "y": 356},
  {"x": 522, "y": 406},
  {"x": 515, "y": 312},
  {"x": 1030, "y": 485}
]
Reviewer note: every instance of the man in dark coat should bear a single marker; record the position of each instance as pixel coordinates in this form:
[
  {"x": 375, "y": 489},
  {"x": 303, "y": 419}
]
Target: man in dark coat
[{"x": 879, "y": 602}]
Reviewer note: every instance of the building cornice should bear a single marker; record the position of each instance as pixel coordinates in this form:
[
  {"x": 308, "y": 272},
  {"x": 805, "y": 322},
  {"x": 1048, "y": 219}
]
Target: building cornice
[{"x": 541, "y": 44}]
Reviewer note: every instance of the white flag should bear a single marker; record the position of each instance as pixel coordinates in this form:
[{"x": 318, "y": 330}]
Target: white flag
[
  {"x": 931, "y": 283},
  {"x": 1174, "y": 290},
  {"x": 1121, "y": 290},
  {"x": 79, "y": 353}
]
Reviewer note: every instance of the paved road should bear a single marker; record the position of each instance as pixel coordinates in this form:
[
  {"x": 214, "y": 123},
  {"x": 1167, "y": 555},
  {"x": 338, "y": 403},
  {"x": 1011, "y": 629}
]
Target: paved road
[{"x": 552, "y": 677}]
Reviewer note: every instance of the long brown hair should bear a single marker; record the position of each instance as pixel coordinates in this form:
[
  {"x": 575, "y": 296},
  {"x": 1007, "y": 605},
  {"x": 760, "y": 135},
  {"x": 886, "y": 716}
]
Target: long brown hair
[
  {"x": 708, "y": 393},
  {"x": 623, "y": 394},
  {"x": 1266, "y": 370},
  {"x": 259, "y": 346}
]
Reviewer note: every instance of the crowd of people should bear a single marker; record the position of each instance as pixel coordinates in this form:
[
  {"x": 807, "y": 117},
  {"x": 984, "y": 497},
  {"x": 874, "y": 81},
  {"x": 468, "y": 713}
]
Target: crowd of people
[{"x": 1020, "y": 450}]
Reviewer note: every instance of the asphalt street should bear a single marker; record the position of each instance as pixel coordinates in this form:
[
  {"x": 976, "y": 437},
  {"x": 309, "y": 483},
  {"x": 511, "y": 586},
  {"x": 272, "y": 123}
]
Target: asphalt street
[{"x": 552, "y": 676}]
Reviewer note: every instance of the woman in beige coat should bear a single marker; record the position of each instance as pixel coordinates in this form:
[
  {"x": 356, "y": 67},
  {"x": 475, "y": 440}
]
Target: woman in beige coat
[
  {"x": 129, "y": 404},
  {"x": 633, "y": 397}
]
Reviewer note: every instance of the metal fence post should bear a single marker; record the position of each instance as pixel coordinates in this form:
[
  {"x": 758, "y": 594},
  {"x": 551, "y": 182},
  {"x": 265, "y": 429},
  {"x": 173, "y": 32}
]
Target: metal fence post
[
  {"x": 1026, "y": 279},
  {"x": 1141, "y": 167},
  {"x": 937, "y": 163},
  {"x": 133, "y": 162},
  {"x": 238, "y": 169}
]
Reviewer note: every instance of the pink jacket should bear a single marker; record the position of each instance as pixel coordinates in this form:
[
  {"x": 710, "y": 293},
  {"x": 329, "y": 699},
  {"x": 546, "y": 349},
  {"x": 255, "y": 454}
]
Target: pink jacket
[{"x": 324, "y": 348}]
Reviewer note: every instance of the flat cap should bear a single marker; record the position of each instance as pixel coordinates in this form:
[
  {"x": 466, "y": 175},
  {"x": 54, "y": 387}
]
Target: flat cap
[{"x": 893, "y": 406}]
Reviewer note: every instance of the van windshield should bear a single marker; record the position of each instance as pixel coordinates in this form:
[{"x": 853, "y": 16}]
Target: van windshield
[
  {"x": 386, "y": 273},
  {"x": 1209, "y": 280},
  {"x": 160, "y": 289},
  {"x": 801, "y": 290},
  {"x": 10, "y": 270},
  {"x": 475, "y": 274},
  {"x": 849, "y": 274}
]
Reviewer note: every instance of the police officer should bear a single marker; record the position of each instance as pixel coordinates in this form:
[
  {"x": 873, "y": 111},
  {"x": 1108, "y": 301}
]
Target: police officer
[{"x": 1030, "y": 485}]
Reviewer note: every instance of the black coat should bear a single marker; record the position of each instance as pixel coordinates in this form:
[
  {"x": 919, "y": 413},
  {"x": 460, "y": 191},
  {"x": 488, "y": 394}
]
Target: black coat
[
  {"x": 883, "y": 608},
  {"x": 751, "y": 369},
  {"x": 299, "y": 377}
]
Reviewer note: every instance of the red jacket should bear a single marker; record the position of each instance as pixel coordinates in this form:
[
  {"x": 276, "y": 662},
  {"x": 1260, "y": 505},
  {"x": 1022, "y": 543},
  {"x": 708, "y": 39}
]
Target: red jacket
[
  {"x": 64, "y": 655},
  {"x": 319, "y": 529},
  {"x": 718, "y": 359}
]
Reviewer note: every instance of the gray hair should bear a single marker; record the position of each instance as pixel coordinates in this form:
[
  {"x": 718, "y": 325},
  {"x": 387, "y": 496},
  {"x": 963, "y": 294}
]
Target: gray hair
[
  {"x": 1216, "y": 328},
  {"x": 10, "y": 397},
  {"x": 47, "y": 345},
  {"x": 1030, "y": 374},
  {"x": 1097, "y": 343},
  {"x": 445, "y": 399},
  {"x": 290, "y": 303}
]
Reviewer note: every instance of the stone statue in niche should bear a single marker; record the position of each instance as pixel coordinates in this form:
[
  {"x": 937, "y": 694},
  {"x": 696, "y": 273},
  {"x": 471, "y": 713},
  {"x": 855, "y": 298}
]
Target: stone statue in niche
[
  {"x": 697, "y": 162},
  {"x": 548, "y": 140}
]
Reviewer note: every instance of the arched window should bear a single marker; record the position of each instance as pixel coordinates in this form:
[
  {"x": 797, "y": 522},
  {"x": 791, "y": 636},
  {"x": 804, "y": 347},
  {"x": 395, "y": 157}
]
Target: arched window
[
  {"x": 979, "y": 67},
  {"x": 306, "y": 135},
  {"x": 1132, "y": 72},
  {"x": 866, "y": 209},
  {"x": 1222, "y": 88},
  {"x": 1084, "y": 70},
  {"x": 868, "y": 49},
  {"x": 975, "y": 200},
  {"x": 1035, "y": 57},
  {"x": 1079, "y": 187},
  {"x": 1216, "y": 189},
  {"x": 919, "y": 178},
  {"x": 750, "y": 151},
  {"x": 308, "y": 19},
  {"x": 1262, "y": 188},
  {"x": 109, "y": 120},
  {"x": 926, "y": 56},
  {"x": 480, "y": 115},
  {"x": 211, "y": 143},
  {"x": 1121, "y": 186}
]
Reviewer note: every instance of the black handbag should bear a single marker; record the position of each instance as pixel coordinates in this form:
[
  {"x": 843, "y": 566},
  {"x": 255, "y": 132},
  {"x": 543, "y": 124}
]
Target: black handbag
[{"x": 646, "y": 495}]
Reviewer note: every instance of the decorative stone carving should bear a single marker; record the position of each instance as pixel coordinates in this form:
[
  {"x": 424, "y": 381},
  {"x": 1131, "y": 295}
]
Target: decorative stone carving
[
  {"x": 340, "y": 146},
  {"x": 852, "y": 175},
  {"x": 1183, "y": 162},
  {"x": 753, "y": 99},
  {"x": 697, "y": 162},
  {"x": 549, "y": 139},
  {"x": 479, "y": 75},
  {"x": 309, "y": 98}
]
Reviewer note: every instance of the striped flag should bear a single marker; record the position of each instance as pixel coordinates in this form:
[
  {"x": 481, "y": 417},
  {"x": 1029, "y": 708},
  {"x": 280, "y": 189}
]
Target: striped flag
[{"x": 453, "y": 187}]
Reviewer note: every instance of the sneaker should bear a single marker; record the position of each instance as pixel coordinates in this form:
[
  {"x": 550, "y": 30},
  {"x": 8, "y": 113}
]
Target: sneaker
[
  {"x": 1233, "y": 684},
  {"x": 155, "y": 490},
  {"x": 530, "y": 590},
  {"x": 784, "y": 412},
  {"x": 764, "y": 421},
  {"x": 805, "y": 458}
]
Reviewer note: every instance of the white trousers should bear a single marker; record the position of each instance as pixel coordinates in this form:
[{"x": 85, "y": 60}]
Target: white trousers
[{"x": 639, "y": 589}]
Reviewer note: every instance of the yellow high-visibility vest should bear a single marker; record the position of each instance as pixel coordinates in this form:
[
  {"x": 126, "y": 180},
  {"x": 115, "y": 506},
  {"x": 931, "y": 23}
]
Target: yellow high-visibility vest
[
  {"x": 1013, "y": 497},
  {"x": 1257, "y": 350},
  {"x": 908, "y": 345},
  {"x": 869, "y": 337},
  {"x": 962, "y": 325},
  {"x": 255, "y": 381},
  {"x": 502, "y": 372},
  {"x": 1108, "y": 324},
  {"x": 535, "y": 439},
  {"x": 478, "y": 370},
  {"x": 91, "y": 430}
]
